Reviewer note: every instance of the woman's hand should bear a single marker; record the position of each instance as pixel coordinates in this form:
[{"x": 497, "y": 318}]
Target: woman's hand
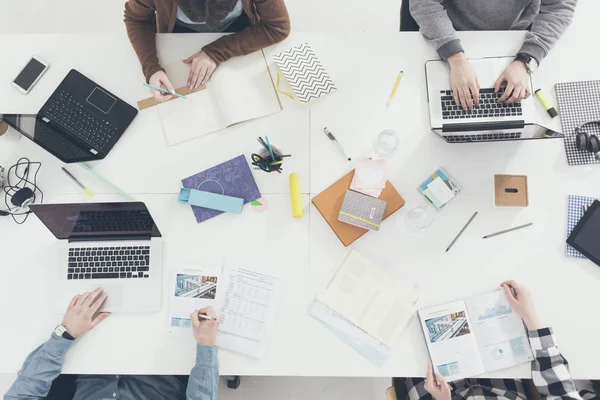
[
  {"x": 516, "y": 79},
  {"x": 441, "y": 392},
  {"x": 159, "y": 79},
  {"x": 521, "y": 301},
  {"x": 464, "y": 82},
  {"x": 201, "y": 68}
]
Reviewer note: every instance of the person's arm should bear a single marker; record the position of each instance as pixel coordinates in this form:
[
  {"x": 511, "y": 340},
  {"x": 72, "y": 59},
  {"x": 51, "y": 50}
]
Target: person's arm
[
  {"x": 436, "y": 27},
  {"x": 272, "y": 27},
  {"x": 44, "y": 364},
  {"x": 40, "y": 368},
  {"x": 547, "y": 27},
  {"x": 139, "y": 21},
  {"x": 204, "y": 378},
  {"x": 550, "y": 370}
]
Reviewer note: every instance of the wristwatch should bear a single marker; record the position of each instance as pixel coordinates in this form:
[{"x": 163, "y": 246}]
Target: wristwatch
[
  {"x": 61, "y": 331},
  {"x": 530, "y": 63}
]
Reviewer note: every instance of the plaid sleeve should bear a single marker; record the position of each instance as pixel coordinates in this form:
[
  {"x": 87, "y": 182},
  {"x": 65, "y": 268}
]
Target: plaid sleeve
[{"x": 550, "y": 370}]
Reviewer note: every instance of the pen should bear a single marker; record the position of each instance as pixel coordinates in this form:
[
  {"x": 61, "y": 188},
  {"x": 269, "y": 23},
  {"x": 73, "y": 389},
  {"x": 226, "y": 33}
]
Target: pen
[
  {"x": 546, "y": 103},
  {"x": 462, "y": 230},
  {"x": 206, "y": 317},
  {"x": 103, "y": 179},
  {"x": 398, "y": 80},
  {"x": 164, "y": 90},
  {"x": 270, "y": 148},
  {"x": 86, "y": 190},
  {"x": 435, "y": 379},
  {"x": 507, "y": 230},
  {"x": 334, "y": 140}
]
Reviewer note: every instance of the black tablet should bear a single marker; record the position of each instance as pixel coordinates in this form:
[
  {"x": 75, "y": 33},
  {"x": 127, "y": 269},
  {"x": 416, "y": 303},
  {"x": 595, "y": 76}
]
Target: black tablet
[{"x": 585, "y": 237}]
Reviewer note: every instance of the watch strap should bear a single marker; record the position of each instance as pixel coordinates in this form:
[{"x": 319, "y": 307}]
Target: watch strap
[{"x": 61, "y": 331}]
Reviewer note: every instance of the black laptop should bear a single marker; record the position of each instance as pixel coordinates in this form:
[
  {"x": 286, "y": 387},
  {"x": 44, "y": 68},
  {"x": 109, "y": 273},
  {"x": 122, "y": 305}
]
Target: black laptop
[{"x": 81, "y": 121}]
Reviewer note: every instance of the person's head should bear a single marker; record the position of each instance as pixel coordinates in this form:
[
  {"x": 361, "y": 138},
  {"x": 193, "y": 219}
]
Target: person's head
[{"x": 210, "y": 12}]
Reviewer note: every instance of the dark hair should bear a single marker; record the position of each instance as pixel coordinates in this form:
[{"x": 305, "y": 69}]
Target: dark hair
[{"x": 210, "y": 12}]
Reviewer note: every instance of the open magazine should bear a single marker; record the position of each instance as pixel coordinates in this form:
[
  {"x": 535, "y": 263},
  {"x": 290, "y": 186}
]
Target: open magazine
[{"x": 477, "y": 335}]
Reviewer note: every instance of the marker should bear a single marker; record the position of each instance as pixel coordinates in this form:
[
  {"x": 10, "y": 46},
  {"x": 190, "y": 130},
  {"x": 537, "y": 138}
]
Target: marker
[
  {"x": 86, "y": 190},
  {"x": 462, "y": 230},
  {"x": 206, "y": 317},
  {"x": 507, "y": 230},
  {"x": 546, "y": 103},
  {"x": 164, "y": 90},
  {"x": 398, "y": 80}
]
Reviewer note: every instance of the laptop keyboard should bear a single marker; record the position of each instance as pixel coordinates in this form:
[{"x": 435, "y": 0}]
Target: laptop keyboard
[
  {"x": 114, "y": 221},
  {"x": 483, "y": 137},
  {"x": 69, "y": 113},
  {"x": 119, "y": 262},
  {"x": 488, "y": 106}
]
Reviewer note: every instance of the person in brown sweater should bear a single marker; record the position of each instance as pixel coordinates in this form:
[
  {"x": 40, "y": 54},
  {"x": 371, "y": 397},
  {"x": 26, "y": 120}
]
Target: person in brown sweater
[{"x": 256, "y": 23}]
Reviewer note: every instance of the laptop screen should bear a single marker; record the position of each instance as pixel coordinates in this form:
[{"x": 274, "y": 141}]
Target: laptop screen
[
  {"x": 48, "y": 137},
  {"x": 80, "y": 220}
]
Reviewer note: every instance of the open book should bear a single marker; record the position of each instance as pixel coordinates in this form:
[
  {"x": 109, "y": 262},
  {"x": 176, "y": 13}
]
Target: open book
[
  {"x": 477, "y": 335},
  {"x": 239, "y": 90}
]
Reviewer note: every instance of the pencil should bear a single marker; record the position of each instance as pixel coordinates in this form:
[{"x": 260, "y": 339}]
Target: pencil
[
  {"x": 462, "y": 230},
  {"x": 507, "y": 230},
  {"x": 86, "y": 190},
  {"x": 164, "y": 90},
  {"x": 398, "y": 80}
]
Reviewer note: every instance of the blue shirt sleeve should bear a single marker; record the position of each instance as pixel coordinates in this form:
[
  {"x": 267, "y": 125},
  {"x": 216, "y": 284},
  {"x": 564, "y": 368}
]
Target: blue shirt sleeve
[
  {"x": 39, "y": 370},
  {"x": 204, "y": 378}
]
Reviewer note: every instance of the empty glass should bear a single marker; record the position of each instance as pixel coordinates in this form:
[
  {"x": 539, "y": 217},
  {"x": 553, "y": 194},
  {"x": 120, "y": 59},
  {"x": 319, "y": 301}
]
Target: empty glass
[{"x": 386, "y": 143}]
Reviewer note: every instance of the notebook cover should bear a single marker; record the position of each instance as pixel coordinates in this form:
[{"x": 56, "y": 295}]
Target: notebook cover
[
  {"x": 329, "y": 202},
  {"x": 361, "y": 210},
  {"x": 507, "y": 199},
  {"x": 231, "y": 178},
  {"x": 304, "y": 73}
]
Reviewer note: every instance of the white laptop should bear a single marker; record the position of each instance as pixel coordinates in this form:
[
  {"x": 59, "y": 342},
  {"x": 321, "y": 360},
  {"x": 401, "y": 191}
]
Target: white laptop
[
  {"x": 116, "y": 246},
  {"x": 490, "y": 121}
]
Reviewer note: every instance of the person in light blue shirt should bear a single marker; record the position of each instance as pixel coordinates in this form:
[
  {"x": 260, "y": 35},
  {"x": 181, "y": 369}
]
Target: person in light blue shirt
[{"x": 44, "y": 364}]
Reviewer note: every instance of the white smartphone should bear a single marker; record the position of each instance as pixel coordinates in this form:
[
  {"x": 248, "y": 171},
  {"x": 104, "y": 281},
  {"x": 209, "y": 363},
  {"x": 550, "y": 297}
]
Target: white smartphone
[{"x": 30, "y": 75}]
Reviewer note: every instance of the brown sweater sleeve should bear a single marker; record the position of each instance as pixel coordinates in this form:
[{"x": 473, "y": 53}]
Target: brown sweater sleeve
[
  {"x": 272, "y": 26},
  {"x": 141, "y": 29}
]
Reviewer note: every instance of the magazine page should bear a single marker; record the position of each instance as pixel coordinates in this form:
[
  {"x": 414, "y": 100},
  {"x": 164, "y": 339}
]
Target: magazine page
[
  {"x": 500, "y": 333},
  {"x": 451, "y": 342},
  {"x": 244, "y": 89}
]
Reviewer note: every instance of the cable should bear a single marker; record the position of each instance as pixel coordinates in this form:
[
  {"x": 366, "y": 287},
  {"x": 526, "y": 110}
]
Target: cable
[{"x": 23, "y": 182}]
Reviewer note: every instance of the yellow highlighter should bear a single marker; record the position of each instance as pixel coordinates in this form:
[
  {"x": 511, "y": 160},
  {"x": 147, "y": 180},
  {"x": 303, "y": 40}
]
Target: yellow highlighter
[
  {"x": 546, "y": 103},
  {"x": 295, "y": 195}
]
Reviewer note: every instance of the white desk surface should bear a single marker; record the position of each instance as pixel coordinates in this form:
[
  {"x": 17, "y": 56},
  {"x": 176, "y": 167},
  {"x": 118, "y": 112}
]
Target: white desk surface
[{"x": 565, "y": 289}]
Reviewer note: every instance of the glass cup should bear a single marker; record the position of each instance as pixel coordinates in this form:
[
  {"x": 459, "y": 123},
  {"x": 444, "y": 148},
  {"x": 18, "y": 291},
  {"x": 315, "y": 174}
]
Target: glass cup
[
  {"x": 386, "y": 143},
  {"x": 419, "y": 219}
]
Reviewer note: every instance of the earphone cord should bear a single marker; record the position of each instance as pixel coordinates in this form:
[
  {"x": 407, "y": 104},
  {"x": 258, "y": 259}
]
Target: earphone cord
[{"x": 23, "y": 179}]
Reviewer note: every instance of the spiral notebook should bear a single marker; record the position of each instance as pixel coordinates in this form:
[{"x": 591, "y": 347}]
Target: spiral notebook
[
  {"x": 578, "y": 102},
  {"x": 304, "y": 74}
]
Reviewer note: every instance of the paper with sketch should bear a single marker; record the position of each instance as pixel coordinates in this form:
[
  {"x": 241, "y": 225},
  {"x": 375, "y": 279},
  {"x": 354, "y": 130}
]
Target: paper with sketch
[
  {"x": 239, "y": 90},
  {"x": 371, "y": 297},
  {"x": 480, "y": 334},
  {"x": 246, "y": 302},
  {"x": 365, "y": 344}
]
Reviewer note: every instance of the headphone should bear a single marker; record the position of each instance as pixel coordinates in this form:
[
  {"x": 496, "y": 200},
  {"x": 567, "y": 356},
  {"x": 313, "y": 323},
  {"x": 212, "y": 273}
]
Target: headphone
[
  {"x": 586, "y": 141},
  {"x": 23, "y": 192}
]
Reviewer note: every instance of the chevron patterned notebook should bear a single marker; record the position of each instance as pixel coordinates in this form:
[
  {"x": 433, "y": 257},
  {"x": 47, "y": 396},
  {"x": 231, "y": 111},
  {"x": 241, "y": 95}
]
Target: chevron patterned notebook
[{"x": 304, "y": 73}]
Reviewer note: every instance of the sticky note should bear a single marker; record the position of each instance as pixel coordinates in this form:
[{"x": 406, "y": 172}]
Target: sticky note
[
  {"x": 370, "y": 174},
  {"x": 440, "y": 191}
]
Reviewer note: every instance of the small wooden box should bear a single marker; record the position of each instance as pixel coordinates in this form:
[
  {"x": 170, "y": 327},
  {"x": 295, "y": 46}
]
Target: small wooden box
[{"x": 511, "y": 190}]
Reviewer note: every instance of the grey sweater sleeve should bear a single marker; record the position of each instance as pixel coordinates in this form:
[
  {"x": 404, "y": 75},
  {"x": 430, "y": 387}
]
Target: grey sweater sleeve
[
  {"x": 436, "y": 26},
  {"x": 547, "y": 27}
]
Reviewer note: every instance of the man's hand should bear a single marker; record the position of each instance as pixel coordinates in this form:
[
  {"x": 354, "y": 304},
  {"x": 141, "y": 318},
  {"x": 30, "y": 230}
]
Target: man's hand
[
  {"x": 201, "y": 68},
  {"x": 522, "y": 303},
  {"x": 81, "y": 315},
  {"x": 464, "y": 82},
  {"x": 205, "y": 331},
  {"x": 516, "y": 79},
  {"x": 442, "y": 392},
  {"x": 159, "y": 79}
]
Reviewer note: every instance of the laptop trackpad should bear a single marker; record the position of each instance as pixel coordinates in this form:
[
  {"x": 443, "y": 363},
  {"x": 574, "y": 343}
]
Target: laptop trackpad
[
  {"x": 115, "y": 297},
  {"x": 485, "y": 73}
]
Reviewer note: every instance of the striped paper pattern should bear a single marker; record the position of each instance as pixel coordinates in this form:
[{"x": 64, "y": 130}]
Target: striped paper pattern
[{"x": 304, "y": 73}]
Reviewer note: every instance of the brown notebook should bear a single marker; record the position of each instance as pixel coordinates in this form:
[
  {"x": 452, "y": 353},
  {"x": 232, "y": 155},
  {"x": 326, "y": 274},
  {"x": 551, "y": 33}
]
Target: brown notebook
[
  {"x": 511, "y": 190},
  {"x": 329, "y": 202}
]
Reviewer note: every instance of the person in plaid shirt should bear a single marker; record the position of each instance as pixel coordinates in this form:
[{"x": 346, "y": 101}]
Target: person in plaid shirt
[{"x": 550, "y": 370}]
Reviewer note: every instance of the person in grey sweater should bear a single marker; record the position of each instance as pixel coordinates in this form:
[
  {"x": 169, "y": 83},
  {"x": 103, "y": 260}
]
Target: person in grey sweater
[{"x": 545, "y": 20}]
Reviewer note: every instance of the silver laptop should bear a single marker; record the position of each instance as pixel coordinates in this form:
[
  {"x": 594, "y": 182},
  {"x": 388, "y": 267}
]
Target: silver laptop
[
  {"x": 490, "y": 121},
  {"x": 116, "y": 246}
]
